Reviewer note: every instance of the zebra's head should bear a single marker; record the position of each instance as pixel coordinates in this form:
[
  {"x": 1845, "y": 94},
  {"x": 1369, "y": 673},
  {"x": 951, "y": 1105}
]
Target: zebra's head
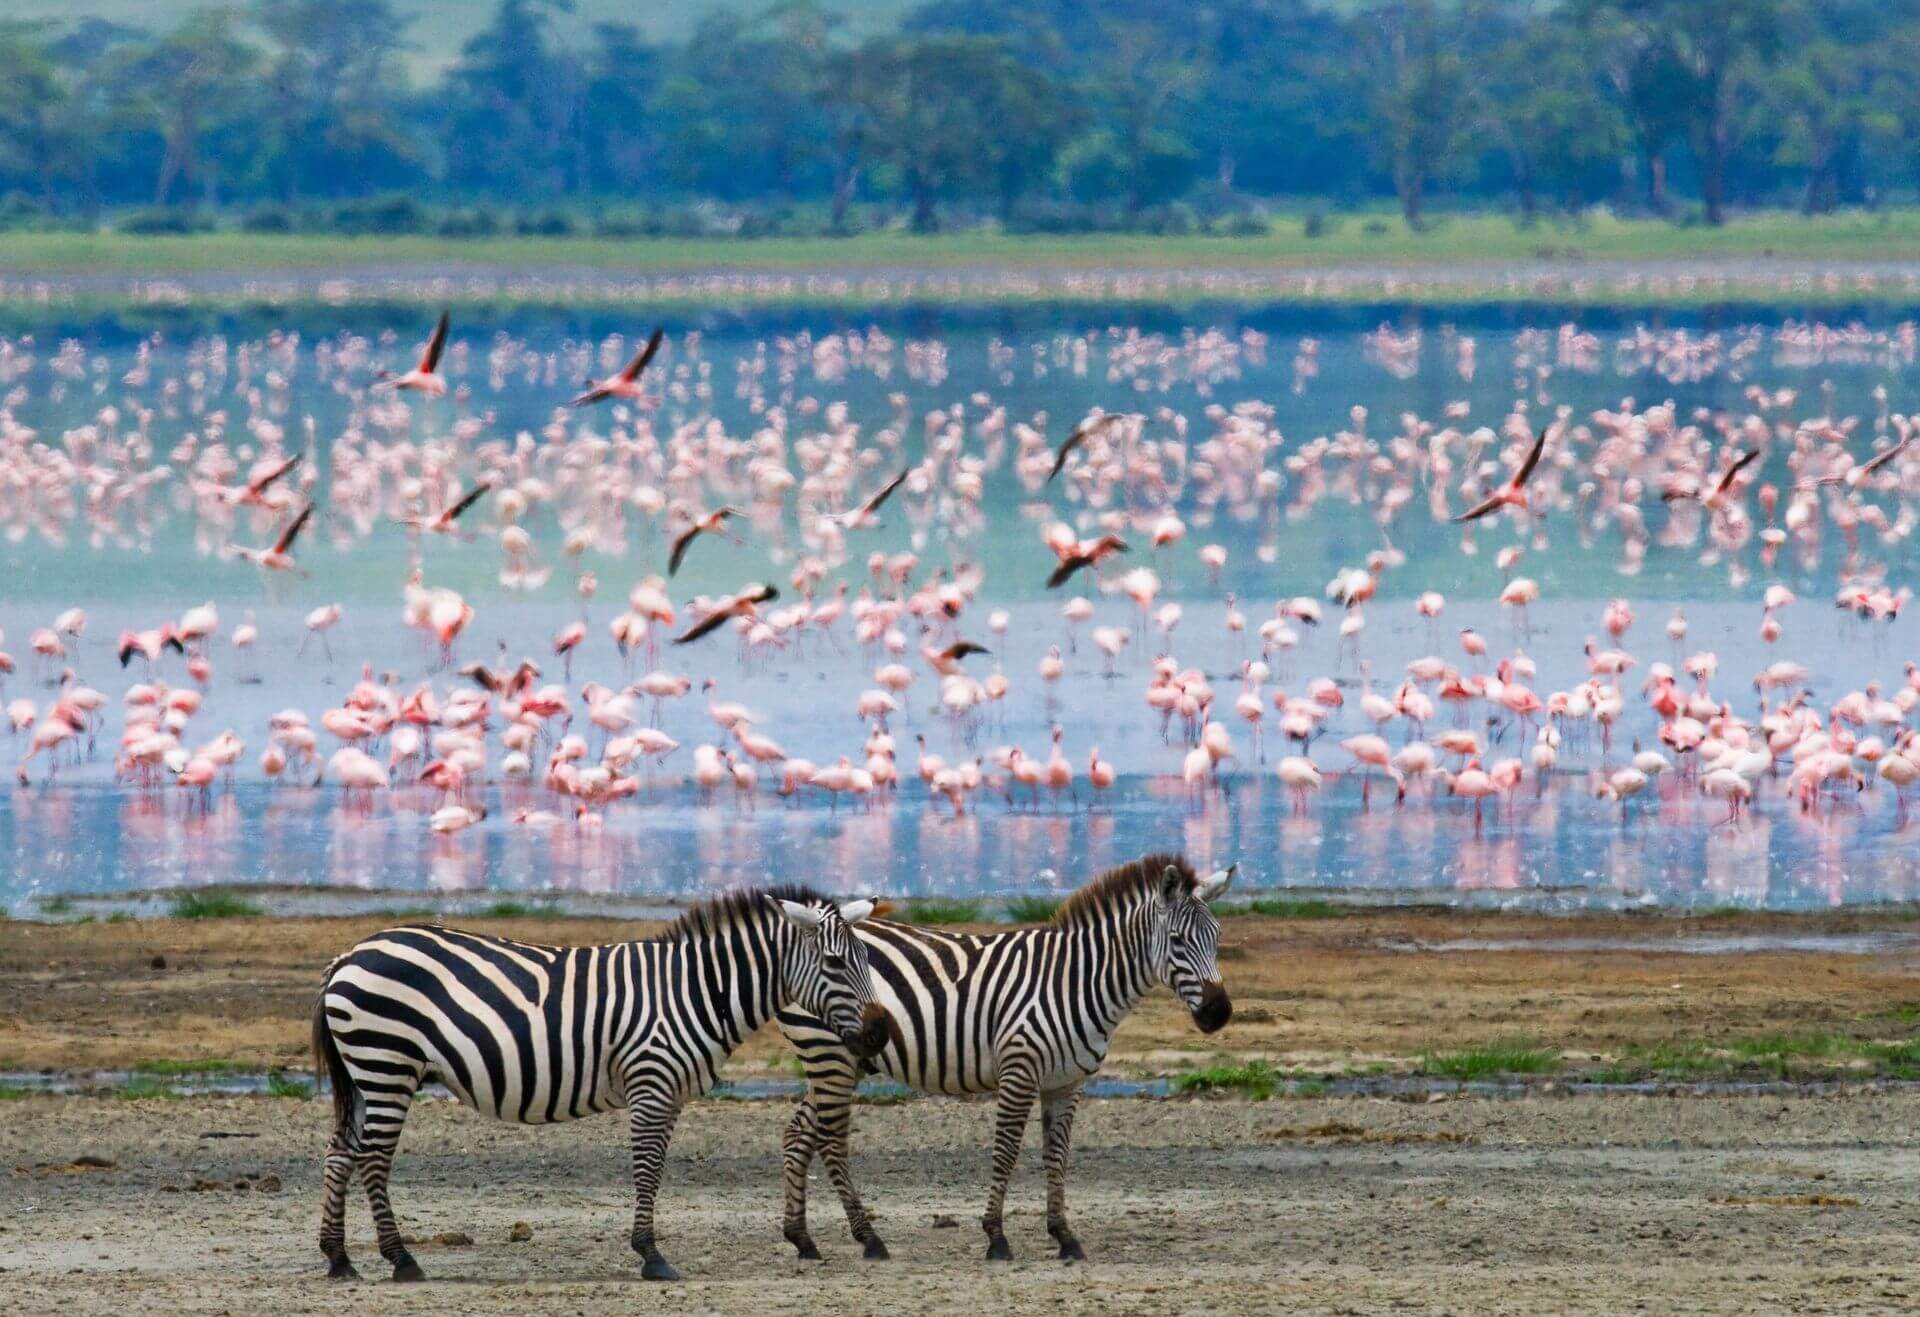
[
  {"x": 827, "y": 975},
  {"x": 1190, "y": 945}
]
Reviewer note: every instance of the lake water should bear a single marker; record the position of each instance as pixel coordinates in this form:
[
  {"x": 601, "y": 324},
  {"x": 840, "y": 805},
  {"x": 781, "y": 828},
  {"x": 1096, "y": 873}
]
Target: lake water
[{"x": 136, "y": 558}]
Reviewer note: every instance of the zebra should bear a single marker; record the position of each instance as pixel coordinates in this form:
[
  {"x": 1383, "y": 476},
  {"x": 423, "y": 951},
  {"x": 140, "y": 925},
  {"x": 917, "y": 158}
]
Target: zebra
[
  {"x": 534, "y": 1034},
  {"x": 1030, "y": 1012}
]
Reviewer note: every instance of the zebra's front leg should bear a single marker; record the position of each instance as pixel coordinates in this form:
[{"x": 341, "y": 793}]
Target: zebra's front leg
[
  {"x": 1018, "y": 1087},
  {"x": 650, "y": 1121},
  {"x": 1056, "y": 1123},
  {"x": 836, "y": 1130},
  {"x": 796, "y": 1149}
]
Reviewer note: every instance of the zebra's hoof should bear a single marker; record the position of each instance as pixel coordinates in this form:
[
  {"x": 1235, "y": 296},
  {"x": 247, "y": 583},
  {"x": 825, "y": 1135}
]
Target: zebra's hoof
[
  {"x": 806, "y": 1248},
  {"x": 657, "y": 1268},
  {"x": 408, "y": 1271},
  {"x": 999, "y": 1250},
  {"x": 1070, "y": 1251},
  {"x": 341, "y": 1269},
  {"x": 875, "y": 1250}
]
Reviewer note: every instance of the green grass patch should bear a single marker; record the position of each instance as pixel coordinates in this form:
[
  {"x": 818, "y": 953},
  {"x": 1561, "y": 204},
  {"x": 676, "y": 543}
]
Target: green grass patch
[
  {"x": 1288, "y": 907},
  {"x": 212, "y": 905},
  {"x": 56, "y": 905},
  {"x": 1491, "y": 1061},
  {"x": 1253, "y": 1079},
  {"x": 198, "y": 1066},
  {"x": 408, "y": 912},
  {"x": 938, "y": 910},
  {"x": 1018, "y": 267},
  {"x": 280, "y": 1086},
  {"x": 514, "y": 910},
  {"x": 1891, "y": 234},
  {"x": 1032, "y": 909},
  {"x": 144, "y": 1086},
  {"x": 14, "y": 1092}
]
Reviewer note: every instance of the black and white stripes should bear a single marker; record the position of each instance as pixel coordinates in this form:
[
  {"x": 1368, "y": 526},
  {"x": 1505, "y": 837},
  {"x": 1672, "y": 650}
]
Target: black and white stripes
[
  {"x": 1029, "y": 1012},
  {"x": 535, "y": 1034}
]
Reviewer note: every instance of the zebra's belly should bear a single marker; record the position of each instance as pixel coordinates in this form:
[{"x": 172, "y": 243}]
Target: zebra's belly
[{"x": 960, "y": 1076}]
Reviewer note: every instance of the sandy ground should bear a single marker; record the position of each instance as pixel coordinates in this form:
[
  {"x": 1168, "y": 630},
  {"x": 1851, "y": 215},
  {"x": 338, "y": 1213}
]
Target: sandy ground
[
  {"x": 1562, "y": 1204},
  {"x": 1333, "y": 993}
]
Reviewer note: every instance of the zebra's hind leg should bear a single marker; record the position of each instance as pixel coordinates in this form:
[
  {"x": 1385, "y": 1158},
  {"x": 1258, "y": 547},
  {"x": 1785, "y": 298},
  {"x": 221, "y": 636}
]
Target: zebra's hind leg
[
  {"x": 836, "y": 1130},
  {"x": 1018, "y": 1087},
  {"x": 386, "y": 1112},
  {"x": 650, "y": 1121},
  {"x": 796, "y": 1149},
  {"x": 1056, "y": 1122},
  {"x": 333, "y": 1205}
]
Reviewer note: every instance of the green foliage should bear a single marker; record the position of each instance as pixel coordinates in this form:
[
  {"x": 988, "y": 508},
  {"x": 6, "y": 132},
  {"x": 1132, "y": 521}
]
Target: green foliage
[
  {"x": 1032, "y": 909},
  {"x": 197, "y": 1066},
  {"x": 1286, "y": 907},
  {"x": 514, "y": 910},
  {"x": 1045, "y": 116},
  {"x": 1254, "y": 1079},
  {"x": 278, "y": 1085},
  {"x": 212, "y": 905},
  {"x": 1491, "y": 1061},
  {"x": 934, "y": 910}
]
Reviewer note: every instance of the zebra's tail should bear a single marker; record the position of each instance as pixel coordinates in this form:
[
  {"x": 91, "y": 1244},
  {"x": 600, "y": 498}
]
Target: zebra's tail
[{"x": 327, "y": 1061}]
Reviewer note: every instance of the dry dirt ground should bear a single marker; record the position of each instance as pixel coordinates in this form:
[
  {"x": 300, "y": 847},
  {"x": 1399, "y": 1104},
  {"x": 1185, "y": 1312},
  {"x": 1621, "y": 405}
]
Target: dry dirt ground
[
  {"x": 1327, "y": 993},
  {"x": 1540, "y": 1204}
]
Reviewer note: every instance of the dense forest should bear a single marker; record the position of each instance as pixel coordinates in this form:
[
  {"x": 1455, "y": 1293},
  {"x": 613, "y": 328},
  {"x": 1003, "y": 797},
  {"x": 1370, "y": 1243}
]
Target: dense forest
[{"x": 1031, "y": 114}]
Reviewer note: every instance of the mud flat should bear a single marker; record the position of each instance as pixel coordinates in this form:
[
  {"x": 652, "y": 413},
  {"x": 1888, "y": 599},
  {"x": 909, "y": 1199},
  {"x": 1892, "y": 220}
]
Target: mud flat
[
  {"x": 1374, "y": 991},
  {"x": 1597, "y": 1204}
]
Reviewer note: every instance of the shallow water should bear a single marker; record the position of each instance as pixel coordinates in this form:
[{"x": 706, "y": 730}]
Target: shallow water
[{"x": 88, "y": 834}]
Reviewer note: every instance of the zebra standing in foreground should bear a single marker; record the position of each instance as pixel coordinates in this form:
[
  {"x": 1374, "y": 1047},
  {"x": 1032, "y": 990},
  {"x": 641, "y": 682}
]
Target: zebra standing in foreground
[
  {"x": 1029, "y": 1012},
  {"x": 534, "y": 1034}
]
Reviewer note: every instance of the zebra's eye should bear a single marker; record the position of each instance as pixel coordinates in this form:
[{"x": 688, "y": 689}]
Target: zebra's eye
[{"x": 834, "y": 962}]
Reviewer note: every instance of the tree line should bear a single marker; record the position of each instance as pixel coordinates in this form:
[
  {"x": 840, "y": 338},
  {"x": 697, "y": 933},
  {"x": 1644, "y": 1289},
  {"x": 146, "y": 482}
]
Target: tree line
[{"x": 1030, "y": 113}]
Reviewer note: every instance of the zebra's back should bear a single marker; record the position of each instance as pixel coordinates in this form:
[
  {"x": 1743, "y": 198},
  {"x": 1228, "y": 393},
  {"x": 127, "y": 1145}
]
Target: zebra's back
[
  {"x": 959, "y": 999},
  {"x": 521, "y": 1032}
]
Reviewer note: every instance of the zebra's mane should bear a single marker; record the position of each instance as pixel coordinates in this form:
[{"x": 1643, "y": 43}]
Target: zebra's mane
[
  {"x": 1118, "y": 885},
  {"x": 717, "y": 913}
]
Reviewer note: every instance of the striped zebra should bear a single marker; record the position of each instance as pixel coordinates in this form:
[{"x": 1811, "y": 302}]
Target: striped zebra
[
  {"x": 1030, "y": 1012},
  {"x": 535, "y": 1034}
]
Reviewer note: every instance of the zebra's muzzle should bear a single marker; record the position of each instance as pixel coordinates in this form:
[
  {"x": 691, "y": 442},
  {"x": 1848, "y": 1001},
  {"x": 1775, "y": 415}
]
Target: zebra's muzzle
[
  {"x": 871, "y": 1036},
  {"x": 1214, "y": 1010}
]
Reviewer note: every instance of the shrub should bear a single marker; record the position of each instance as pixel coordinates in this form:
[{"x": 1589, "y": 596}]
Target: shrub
[
  {"x": 268, "y": 218},
  {"x": 395, "y": 212},
  {"x": 164, "y": 221},
  {"x": 479, "y": 222},
  {"x": 545, "y": 224}
]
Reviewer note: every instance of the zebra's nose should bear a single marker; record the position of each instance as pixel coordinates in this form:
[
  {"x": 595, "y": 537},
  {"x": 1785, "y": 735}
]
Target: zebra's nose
[
  {"x": 1215, "y": 1007},
  {"x": 872, "y": 1033}
]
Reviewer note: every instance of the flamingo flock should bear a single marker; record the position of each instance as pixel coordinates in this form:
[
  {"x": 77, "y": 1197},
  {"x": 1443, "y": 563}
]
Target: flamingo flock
[{"x": 957, "y": 608}]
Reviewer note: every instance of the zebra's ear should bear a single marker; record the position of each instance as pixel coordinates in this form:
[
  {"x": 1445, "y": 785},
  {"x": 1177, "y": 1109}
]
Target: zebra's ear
[
  {"x": 801, "y": 916},
  {"x": 1216, "y": 883},
  {"x": 1173, "y": 884},
  {"x": 855, "y": 911}
]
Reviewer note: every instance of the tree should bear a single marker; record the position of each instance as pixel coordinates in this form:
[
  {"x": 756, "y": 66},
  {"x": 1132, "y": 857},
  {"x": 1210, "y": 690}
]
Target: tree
[
  {"x": 1539, "y": 101},
  {"x": 337, "y": 92},
  {"x": 35, "y": 141},
  {"x": 187, "y": 86},
  {"x": 1709, "y": 58},
  {"x": 516, "y": 107},
  {"x": 1418, "y": 93}
]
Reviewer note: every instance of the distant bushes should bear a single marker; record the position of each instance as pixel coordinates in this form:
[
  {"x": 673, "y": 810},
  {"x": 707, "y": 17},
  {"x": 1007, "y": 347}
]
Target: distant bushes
[
  {"x": 394, "y": 214},
  {"x": 1241, "y": 219}
]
